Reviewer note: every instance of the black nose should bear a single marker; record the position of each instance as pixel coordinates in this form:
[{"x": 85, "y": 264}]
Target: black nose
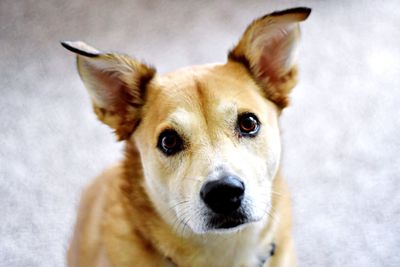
[{"x": 224, "y": 195}]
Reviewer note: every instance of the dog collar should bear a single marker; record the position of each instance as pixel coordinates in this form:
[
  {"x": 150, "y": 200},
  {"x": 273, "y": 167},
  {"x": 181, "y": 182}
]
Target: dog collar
[{"x": 262, "y": 262}]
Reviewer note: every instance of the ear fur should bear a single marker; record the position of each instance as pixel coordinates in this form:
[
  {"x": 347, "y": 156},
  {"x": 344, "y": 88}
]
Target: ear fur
[
  {"x": 116, "y": 84},
  {"x": 268, "y": 50}
]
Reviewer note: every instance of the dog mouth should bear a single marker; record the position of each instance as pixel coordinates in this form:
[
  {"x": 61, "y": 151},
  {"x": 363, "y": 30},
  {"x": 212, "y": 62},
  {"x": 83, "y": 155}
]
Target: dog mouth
[{"x": 225, "y": 222}]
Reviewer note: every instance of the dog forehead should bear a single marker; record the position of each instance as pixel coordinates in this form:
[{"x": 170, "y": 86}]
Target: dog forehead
[
  {"x": 201, "y": 93},
  {"x": 204, "y": 85}
]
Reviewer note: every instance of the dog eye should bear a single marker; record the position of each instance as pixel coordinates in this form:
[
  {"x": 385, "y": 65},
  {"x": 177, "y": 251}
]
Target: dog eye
[
  {"x": 169, "y": 142},
  {"x": 248, "y": 125}
]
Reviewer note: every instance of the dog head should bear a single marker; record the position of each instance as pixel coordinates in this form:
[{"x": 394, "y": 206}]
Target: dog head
[{"x": 208, "y": 136}]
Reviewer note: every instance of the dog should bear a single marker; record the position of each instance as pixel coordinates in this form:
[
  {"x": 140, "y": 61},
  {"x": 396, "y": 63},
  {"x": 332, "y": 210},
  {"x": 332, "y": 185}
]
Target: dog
[{"x": 199, "y": 185}]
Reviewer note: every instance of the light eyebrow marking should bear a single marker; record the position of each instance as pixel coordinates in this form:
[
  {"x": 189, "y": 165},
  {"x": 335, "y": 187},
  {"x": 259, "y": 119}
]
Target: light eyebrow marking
[
  {"x": 182, "y": 120},
  {"x": 228, "y": 110}
]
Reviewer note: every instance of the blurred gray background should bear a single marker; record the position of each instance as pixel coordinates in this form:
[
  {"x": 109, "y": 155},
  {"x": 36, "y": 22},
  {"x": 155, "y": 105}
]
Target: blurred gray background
[{"x": 341, "y": 134}]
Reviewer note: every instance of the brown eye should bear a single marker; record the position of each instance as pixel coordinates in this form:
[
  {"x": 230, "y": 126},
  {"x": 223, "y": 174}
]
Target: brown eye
[
  {"x": 248, "y": 125},
  {"x": 169, "y": 142}
]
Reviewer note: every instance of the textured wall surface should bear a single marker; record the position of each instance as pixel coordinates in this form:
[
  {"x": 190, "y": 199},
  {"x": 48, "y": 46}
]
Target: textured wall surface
[{"x": 341, "y": 134}]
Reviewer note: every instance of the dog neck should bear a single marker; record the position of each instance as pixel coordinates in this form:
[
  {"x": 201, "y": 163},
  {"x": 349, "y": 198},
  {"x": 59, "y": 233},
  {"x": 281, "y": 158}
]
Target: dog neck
[{"x": 244, "y": 247}]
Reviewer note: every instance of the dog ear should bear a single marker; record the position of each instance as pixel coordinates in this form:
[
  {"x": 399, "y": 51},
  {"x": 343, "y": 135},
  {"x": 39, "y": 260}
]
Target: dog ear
[
  {"x": 268, "y": 49},
  {"x": 116, "y": 84}
]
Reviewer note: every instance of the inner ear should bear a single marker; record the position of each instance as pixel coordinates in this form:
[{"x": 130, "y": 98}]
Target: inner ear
[
  {"x": 268, "y": 50},
  {"x": 112, "y": 86},
  {"x": 116, "y": 84},
  {"x": 278, "y": 53}
]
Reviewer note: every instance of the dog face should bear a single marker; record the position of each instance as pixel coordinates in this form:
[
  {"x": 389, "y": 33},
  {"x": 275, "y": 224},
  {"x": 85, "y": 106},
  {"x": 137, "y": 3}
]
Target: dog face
[
  {"x": 208, "y": 136},
  {"x": 209, "y": 143}
]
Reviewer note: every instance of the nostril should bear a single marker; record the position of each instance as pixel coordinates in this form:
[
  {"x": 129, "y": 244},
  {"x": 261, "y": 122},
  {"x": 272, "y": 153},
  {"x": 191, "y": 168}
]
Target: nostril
[{"x": 224, "y": 195}]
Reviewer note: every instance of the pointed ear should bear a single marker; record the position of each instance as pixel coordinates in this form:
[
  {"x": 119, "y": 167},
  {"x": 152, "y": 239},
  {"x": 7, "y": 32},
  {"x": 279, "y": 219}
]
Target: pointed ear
[
  {"x": 268, "y": 50},
  {"x": 116, "y": 84}
]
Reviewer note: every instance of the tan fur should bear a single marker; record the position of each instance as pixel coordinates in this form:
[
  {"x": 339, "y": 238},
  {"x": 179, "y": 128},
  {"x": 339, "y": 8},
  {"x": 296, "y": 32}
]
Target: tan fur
[{"x": 146, "y": 210}]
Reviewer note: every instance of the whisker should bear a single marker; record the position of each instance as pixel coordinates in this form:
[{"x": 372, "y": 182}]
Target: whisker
[
  {"x": 279, "y": 194},
  {"x": 185, "y": 211}
]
